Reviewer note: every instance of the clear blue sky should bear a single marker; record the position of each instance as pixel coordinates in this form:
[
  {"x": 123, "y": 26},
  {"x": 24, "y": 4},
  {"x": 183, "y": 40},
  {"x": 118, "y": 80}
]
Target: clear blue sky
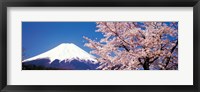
[{"x": 38, "y": 37}]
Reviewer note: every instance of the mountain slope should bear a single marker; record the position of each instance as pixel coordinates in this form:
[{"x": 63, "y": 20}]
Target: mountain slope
[{"x": 64, "y": 56}]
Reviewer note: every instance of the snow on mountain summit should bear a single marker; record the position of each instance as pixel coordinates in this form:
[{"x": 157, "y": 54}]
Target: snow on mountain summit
[{"x": 66, "y": 52}]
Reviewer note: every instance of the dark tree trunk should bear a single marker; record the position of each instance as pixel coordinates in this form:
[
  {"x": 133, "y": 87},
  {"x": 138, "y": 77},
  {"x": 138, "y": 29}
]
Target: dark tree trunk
[{"x": 146, "y": 64}]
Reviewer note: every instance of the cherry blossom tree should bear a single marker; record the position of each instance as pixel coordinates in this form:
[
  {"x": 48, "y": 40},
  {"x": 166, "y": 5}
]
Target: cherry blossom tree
[{"x": 136, "y": 45}]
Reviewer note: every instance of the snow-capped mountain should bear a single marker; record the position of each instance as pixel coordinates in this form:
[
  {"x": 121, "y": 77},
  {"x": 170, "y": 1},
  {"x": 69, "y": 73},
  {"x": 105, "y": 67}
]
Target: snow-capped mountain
[{"x": 64, "y": 56}]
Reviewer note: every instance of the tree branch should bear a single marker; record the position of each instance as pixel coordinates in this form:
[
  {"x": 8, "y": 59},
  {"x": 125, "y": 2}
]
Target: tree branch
[
  {"x": 172, "y": 50},
  {"x": 117, "y": 35}
]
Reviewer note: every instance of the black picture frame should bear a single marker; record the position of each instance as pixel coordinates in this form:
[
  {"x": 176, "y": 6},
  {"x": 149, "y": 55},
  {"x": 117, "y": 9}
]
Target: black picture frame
[{"x": 100, "y": 3}]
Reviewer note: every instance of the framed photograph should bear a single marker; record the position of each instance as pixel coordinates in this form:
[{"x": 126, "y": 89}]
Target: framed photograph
[{"x": 121, "y": 45}]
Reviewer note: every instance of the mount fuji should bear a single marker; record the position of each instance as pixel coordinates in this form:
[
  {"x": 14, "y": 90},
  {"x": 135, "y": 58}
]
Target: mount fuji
[{"x": 66, "y": 56}]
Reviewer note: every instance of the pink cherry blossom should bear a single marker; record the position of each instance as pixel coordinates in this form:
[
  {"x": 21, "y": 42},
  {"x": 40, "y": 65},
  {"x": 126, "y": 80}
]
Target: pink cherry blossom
[{"x": 136, "y": 46}]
